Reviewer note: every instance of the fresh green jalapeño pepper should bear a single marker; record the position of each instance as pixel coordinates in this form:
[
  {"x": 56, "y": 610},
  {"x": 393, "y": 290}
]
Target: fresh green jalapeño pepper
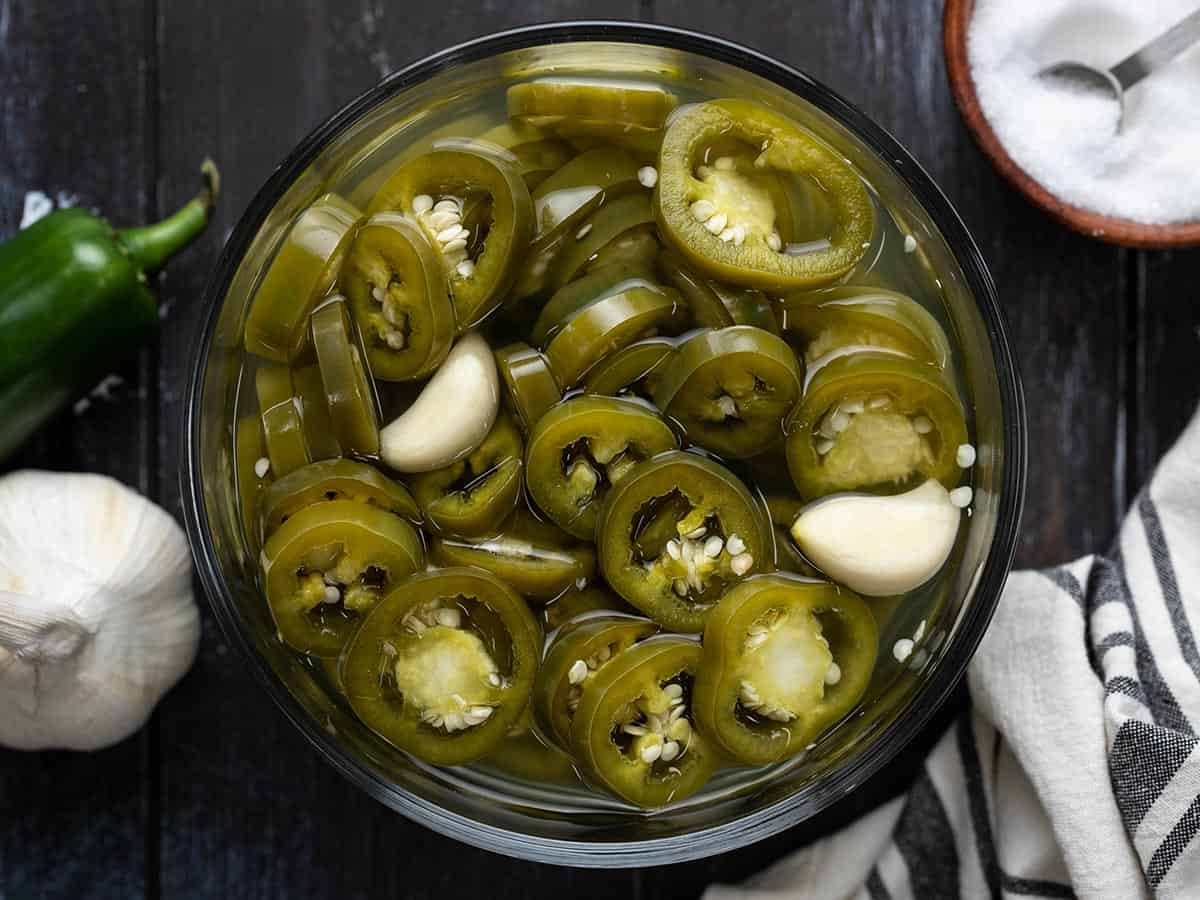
[
  {"x": 303, "y": 271},
  {"x": 582, "y": 447},
  {"x": 784, "y": 658},
  {"x": 675, "y": 532},
  {"x": 400, "y": 297},
  {"x": 715, "y": 206},
  {"x": 633, "y": 730},
  {"x": 580, "y": 650},
  {"x": 444, "y": 666},
  {"x": 333, "y": 479},
  {"x": 473, "y": 495},
  {"x": 731, "y": 389},
  {"x": 874, "y": 418},
  {"x": 329, "y": 564},
  {"x": 533, "y": 556},
  {"x": 528, "y": 381},
  {"x": 835, "y": 319},
  {"x": 435, "y": 188},
  {"x": 74, "y": 300}
]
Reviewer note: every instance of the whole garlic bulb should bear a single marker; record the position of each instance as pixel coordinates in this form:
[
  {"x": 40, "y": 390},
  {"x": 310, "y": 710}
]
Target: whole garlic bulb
[{"x": 97, "y": 619}]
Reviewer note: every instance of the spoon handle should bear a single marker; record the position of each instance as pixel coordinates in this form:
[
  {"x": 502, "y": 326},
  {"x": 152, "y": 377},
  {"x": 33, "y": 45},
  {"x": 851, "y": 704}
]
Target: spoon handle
[{"x": 1158, "y": 52}]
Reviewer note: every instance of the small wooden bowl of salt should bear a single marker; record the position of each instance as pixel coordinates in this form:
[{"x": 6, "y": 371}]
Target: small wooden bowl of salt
[{"x": 1138, "y": 186}]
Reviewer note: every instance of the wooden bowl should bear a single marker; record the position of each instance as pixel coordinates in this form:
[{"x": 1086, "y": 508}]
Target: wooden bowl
[{"x": 1127, "y": 233}]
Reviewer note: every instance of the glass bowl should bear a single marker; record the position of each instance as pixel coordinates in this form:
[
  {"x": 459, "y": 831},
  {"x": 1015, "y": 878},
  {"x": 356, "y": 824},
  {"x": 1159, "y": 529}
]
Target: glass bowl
[{"x": 471, "y": 804}]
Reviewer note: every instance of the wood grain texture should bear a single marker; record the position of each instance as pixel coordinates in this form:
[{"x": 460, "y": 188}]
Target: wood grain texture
[
  {"x": 73, "y": 113},
  {"x": 1164, "y": 350}
]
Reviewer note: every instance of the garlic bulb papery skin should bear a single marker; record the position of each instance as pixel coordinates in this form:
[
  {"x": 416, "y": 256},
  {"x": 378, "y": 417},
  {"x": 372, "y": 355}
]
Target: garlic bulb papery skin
[{"x": 97, "y": 619}]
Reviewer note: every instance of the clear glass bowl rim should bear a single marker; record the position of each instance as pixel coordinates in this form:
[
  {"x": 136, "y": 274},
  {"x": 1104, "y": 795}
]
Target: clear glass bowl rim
[{"x": 761, "y": 823}]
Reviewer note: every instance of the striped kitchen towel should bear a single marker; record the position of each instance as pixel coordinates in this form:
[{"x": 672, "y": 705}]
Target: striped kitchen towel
[{"x": 1077, "y": 772}]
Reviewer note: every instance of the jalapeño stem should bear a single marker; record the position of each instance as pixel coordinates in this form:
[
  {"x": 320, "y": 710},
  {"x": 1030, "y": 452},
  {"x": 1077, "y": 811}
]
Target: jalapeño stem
[{"x": 152, "y": 245}]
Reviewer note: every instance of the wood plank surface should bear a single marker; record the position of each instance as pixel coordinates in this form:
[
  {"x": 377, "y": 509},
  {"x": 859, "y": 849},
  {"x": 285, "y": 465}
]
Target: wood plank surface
[
  {"x": 1164, "y": 347},
  {"x": 73, "y": 114}
]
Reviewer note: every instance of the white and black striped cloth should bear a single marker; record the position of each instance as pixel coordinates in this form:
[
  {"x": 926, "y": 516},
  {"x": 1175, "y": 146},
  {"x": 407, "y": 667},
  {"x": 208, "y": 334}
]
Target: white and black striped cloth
[{"x": 1077, "y": 772}]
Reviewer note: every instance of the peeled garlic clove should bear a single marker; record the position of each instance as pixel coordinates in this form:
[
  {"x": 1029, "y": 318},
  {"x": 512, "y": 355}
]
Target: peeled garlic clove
[
  {"x": 451, "y": 416},
  {"x": 879, "y": 546},
  {"x": 97, "y": 620}
]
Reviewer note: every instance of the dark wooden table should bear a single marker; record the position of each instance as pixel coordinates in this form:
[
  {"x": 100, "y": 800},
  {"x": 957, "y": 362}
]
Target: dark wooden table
[{"x": 116, "y": 102}]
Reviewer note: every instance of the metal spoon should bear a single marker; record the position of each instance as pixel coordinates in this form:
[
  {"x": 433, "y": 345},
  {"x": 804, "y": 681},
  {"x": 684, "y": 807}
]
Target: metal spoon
[{"x": 1133, "y": 68}]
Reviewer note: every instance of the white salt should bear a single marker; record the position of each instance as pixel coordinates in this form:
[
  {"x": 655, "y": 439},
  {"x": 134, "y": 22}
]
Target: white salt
[{"x": 1065, "y": 136}]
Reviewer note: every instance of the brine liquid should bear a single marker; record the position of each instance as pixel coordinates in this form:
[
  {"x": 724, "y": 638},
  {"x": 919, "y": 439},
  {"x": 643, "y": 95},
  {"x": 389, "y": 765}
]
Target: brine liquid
[{"x": 528, "y": 770}]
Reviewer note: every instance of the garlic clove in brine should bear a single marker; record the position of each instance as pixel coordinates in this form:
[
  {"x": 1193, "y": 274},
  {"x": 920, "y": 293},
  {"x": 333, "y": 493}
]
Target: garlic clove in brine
[
  {"x": 97, "y": 619},
  {"x": 880, "y": 545},
  {"x": 451, "y": 416}
]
